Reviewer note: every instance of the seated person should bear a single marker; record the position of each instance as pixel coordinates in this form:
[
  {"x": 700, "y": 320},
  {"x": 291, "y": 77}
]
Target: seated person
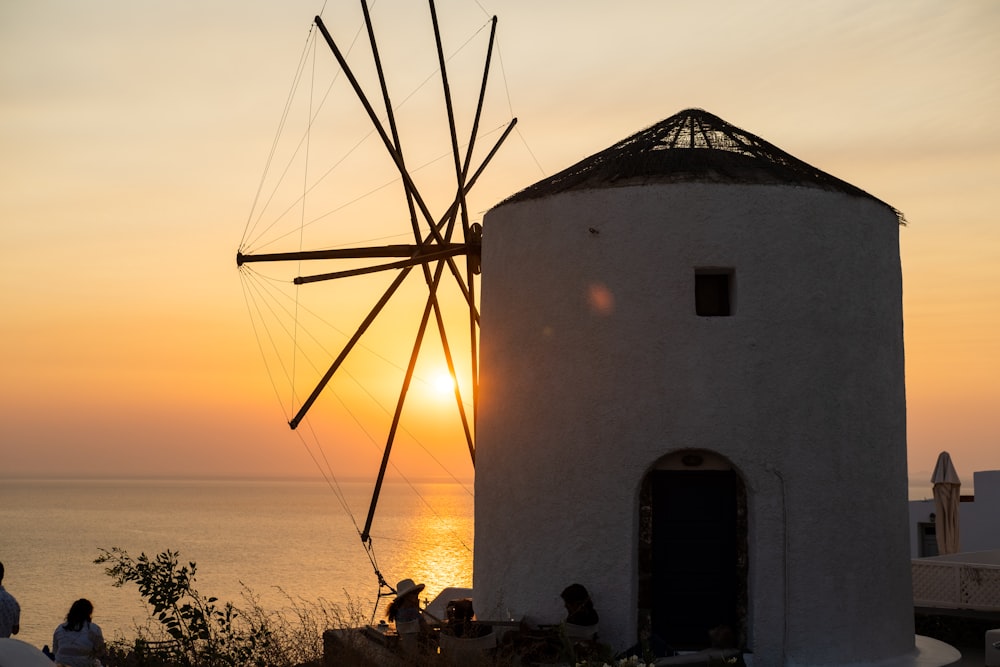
[
  {"x": 461, "y": 621},
  {"x": 406, "y": 607},
  {"x": 571, "y": 641},
  {"x": 405, "y": 612},
  {"x": 462, "y": 640},
  {"x": 579, "y": 607}
]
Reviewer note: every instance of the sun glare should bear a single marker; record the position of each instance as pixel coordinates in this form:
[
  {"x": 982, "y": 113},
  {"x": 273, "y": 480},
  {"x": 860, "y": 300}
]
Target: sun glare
[{"x": 442, "y": 383}]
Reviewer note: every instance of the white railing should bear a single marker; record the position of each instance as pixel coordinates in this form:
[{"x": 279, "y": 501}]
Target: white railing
[{"x": 950, "y": 585}]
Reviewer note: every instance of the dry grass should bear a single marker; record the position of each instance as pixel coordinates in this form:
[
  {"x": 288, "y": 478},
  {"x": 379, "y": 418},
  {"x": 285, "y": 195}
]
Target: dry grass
[{"x": 294, "y": 635}]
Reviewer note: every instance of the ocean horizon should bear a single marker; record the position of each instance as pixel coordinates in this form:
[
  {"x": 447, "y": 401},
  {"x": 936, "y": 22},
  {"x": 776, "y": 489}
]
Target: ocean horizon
[{"x": 287, "y": 542}]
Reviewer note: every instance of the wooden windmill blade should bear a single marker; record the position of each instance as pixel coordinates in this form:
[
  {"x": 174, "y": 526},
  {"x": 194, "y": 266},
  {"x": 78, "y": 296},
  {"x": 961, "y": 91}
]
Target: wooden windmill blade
[{"x": 434, "y": 250}]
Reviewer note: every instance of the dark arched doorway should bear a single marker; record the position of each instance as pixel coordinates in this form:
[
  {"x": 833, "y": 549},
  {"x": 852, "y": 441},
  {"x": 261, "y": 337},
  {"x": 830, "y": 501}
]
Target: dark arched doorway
[{"x": 692, "y": 551}]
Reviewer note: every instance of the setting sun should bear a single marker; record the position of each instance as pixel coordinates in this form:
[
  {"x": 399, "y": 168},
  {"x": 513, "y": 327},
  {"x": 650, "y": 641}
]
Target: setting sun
[
  {"x": 218, "y": 395},
  {"x": 442, "y": 383}
]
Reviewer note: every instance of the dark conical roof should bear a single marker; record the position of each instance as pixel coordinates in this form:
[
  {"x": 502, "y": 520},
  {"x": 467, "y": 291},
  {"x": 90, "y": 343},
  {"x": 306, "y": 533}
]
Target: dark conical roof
[{"x": 692, "y": 146}]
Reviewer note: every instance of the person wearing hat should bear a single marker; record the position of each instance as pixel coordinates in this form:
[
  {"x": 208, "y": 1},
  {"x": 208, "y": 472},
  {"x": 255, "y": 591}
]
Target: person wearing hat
[
  {"x": 406, "y": 607},
  {"x": 405, "y": 612}
]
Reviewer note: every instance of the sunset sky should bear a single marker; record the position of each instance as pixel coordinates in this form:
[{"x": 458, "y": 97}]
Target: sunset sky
[{"x": 134, "y": 136}]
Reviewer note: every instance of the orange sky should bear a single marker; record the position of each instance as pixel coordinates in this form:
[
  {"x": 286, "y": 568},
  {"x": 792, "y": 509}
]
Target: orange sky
[{"x": 134, "y": 136}]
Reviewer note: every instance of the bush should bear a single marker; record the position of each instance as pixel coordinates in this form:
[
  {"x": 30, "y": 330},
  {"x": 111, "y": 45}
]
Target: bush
[{"x": 188, "y": 629}]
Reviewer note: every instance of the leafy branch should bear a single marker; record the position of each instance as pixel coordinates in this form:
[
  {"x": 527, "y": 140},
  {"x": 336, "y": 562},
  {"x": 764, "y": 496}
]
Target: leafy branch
[{"x": 203, "y": 632}]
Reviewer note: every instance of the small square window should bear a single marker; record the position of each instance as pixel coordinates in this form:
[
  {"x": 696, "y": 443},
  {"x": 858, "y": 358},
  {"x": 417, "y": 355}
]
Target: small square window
[{"x": 713, "y": 292}]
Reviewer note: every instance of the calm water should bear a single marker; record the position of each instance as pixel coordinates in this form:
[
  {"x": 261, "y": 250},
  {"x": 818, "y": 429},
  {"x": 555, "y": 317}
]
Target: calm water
[{"x": 279, "y": 538}]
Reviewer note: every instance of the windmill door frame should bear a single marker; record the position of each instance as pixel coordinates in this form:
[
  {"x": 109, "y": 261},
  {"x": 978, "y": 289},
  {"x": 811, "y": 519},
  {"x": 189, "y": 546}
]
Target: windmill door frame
[{"x": 693, "y": 557}]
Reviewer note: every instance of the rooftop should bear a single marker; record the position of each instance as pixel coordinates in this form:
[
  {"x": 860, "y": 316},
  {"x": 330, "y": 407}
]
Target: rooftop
[{"x": 693, "y": 146}]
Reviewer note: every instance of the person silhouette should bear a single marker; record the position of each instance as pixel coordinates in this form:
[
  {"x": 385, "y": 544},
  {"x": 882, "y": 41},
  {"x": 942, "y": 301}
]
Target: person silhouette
[
  {"x": 79, "y": 641},
  {"x": 579, "y": 607},
  {"x": 10, "y": 611}
]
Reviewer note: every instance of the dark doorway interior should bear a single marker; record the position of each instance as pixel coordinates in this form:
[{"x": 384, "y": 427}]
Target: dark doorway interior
[
  {"x": 697, "y": 580},
  {"x": 928, "y": 540}
]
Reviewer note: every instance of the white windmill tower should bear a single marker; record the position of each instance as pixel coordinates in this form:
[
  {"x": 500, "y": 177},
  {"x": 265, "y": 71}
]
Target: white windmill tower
[{"x": 692, "y": 400}]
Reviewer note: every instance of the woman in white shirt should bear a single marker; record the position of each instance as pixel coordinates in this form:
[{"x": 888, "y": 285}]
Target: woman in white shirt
[{"x": 79, "y": 641}]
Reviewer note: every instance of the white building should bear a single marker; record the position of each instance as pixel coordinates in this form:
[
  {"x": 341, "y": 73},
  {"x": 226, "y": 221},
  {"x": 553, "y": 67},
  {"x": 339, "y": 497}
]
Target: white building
[
  {"x": 979, "y": 519},
  {"x": 693, "y": 401}
]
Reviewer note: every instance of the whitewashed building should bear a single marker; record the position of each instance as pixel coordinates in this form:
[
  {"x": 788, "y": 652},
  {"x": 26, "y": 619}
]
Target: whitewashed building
[
  {"x": 979, "y": 519},
  {"x": 693, "y": 401}
]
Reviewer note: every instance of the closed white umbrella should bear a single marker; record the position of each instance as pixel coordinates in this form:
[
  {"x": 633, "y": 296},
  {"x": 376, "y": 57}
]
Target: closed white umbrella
[{"x": 947, "y": 495}]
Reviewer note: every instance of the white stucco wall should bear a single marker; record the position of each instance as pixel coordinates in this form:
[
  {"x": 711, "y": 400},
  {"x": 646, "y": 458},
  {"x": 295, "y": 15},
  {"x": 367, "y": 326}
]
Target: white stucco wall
[
  {"x": 979, "y": 521},
  {"x": 594, "y": 366}
]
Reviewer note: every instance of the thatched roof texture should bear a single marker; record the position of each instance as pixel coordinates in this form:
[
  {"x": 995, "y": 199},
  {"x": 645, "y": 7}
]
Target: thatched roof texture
[{"x": 690, "y": 146}]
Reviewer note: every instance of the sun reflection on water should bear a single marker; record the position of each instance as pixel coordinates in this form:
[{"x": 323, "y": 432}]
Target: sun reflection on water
[{"x": 432, "y": 543}]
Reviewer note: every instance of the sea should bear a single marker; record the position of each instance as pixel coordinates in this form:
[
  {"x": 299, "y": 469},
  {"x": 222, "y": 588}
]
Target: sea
[{"x": 288, "y": 544}]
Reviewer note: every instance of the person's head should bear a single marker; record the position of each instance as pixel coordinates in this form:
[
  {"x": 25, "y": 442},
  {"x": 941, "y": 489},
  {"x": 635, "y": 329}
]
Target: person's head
[
  {"x": 460, "y": 611},
  {"x": 575, "y": 597},
  {"x": 1, "y": 573},
  {"x": 408, "y": 592},
  {"x": 80, "y": 613},
  {"x": 407, "y": 596}
]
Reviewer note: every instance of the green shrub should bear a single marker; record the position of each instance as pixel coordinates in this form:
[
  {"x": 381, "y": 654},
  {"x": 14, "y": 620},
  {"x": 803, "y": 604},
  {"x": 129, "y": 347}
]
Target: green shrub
[{"x": 194, "y": 630}]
